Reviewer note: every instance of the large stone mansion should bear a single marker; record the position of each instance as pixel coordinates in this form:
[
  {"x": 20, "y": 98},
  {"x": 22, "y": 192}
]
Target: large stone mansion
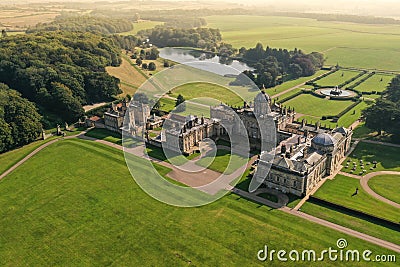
[{"x": 293, "y": 159}]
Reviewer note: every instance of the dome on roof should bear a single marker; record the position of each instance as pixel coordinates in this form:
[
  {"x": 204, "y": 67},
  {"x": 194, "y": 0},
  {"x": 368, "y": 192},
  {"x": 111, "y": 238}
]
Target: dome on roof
[
  {"x": 324, "y": 139},
  {"x": 262, "y": 97}
]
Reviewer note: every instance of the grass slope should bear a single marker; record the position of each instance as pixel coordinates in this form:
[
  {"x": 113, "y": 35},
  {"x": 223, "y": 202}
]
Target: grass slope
[
  {"x": 386, "y": 186},
  {"x": 340, "y": 191},
  {"x": 79, "y": 206}
]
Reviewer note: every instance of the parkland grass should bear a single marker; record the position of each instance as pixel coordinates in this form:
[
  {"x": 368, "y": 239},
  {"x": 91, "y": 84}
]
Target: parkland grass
[
  {"x": 142, "y": 25},
  {"x": 343, "y": 43},
  {"x": 292, "y": 83},
  {"x": 341, "y": 191},
  {"x": 84, "y": 208},
  {"x": 386, "y": 186}
]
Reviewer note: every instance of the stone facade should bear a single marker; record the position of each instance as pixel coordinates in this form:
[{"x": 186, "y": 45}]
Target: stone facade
[{"x": 294, "y": 157}]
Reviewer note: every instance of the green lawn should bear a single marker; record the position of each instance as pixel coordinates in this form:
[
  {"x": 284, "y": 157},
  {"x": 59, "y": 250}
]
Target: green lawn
[
  {"x": 346, "y": 120},
  {"x": 352, "y": 222},
  {"x": 337, "y": 78},
  {"x": 158, "y": 153},
  {"x": 106, "y": 135},
  {"x": 308, "y": 104},
  {"x": 221, "y": 163},
  {"x": 290, "y": 84},
  {"x": 388, "y": 158},
  {"x": 349, "y": 44},
  {"x": 386, "y": 186},
  {"x": 340, "y": 191},
  {"x": 378, "y": 83},
  {"x": 10, "y": 158},
  {"x": 80, "y": 206},
  {"x": 201, "y": 90}
]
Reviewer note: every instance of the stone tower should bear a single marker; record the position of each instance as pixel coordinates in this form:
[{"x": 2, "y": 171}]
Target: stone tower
[{"x": 262, "y": 104}]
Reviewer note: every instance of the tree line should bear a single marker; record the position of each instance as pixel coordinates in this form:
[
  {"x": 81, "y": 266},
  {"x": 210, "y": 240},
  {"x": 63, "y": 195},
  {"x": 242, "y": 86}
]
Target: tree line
[
  {"x": 60, "y": 71},
  {"x": 272, "y": 65},
  {"x": 19, "y": 120},
  {"x": 162, "y": 36},
  {"x": 384, "y": 115},
  {"x": 91, "y": 24}
]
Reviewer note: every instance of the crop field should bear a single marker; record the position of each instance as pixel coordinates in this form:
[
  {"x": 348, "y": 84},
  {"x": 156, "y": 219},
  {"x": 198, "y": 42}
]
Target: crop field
[
  {"x": 81, "y": 212},
  {"x": 386, "y": 186},
  {"x": 25, "y": 18},
  {"x": 387, "y": 157},
  {"x": 378, "y": 83},
  {"x": 349, "y": 44},
  {"x": 341, "y": 191},
  {"x": 337, "y": 78},
  {"x": 308, "y": 104},
  {"x": 142, "y": 25}
]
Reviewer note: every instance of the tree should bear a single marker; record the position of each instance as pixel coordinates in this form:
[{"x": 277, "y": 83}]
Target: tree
[
  {"x": 19, "y": 120},
  {"x": 180, "y": 103},
  {"x": 144, "y": 66},
  {"x": 380, "y": 116},
  {"x": 4, "y": 33},
  {"x": 139, "y": 62},
  {"x": 295, "y": 70},
  {"x": 152, "y": 66}
]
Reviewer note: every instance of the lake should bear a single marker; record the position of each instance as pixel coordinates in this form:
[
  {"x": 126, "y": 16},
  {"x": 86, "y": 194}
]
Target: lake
[{"x": 204, "y": 61}]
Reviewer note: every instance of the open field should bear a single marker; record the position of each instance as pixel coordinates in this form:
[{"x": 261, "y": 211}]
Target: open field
[
  {"x": 314, "y": 106},
  {"x": 340, "y": 191},
  {"x": 378, "y": 83},
  {"x": 346, "y": 120},
  {"x": 349, "y": 44},
  {"x": 130, "y": 77},
  {"x": 337, "y": 78},
  {"x": 388, "y": 158},
  {"x": 221, "y": 162},
  {"x": 290, "y": 84},
  {"x": 352, "y": 222},
  {"x": 386, "y": 186},
  {"x": 142, "y": 25},
  {"x": 25, "y": 18},
  {"x": 81, "y": 212}
]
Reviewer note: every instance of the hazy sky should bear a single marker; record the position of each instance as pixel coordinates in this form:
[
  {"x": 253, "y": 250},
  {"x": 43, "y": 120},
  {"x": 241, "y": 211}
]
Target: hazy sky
[{"x": 390, "y": 8}]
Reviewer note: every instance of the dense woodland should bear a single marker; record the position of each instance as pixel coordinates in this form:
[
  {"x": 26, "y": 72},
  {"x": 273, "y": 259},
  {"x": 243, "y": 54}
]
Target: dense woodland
[
  {"x": 162, "y": 36},
  {"x": 91, "y": 24},
  {"x": 60, "y": 71},
  {"x": 19, "y": 120},
  {"x": 272, "y": 64},
  {"x": 384, "y": 115}
]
